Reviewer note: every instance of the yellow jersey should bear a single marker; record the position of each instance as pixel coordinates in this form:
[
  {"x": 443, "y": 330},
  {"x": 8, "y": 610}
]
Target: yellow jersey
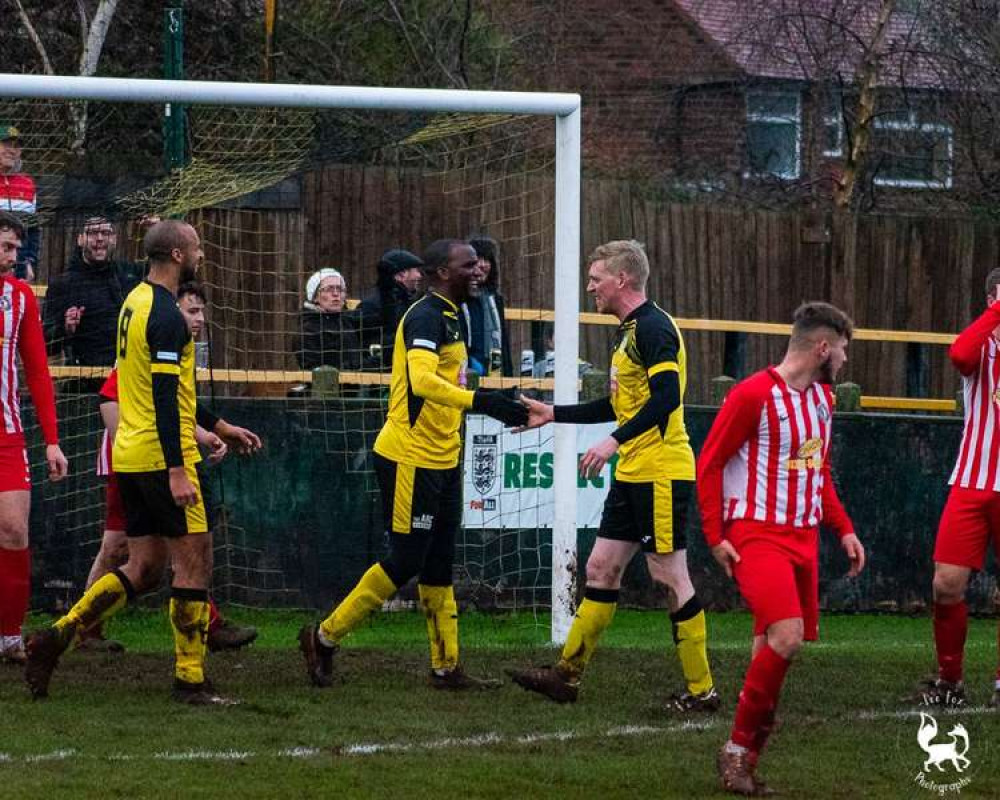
[
  {"x": 427, "y": 395},
  {"x": 156, "y": 384},
  {"x": 647, "y": 343}
]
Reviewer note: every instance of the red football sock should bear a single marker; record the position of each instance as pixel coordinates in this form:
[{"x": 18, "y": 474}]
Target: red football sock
[
  {"x": 214, "y": 616},
  {"x": 759, "y": 699},
  {"x": 951, "y": 623},
  {"x": 15, "y": 589}
]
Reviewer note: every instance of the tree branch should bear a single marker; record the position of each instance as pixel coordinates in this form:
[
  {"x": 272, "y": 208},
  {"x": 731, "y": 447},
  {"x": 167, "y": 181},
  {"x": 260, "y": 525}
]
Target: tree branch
[{"x": 36, "y": 40}]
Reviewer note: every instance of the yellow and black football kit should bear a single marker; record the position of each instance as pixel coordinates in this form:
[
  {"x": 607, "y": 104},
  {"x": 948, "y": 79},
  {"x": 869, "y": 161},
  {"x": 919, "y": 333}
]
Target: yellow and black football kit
[
  {"x": 418, "y": 448},
  {"x": 158, "y": 411},
  {"x": 417, "y": 466},
  {"x": 654, "y": 480}
]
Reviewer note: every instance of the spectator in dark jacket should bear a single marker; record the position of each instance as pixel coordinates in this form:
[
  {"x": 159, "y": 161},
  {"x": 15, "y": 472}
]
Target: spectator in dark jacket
[
  {"x": 483, "y": 320},
  {"x": 328, "y": 332},
  {"x": 82, "y": 304},
  {"x": 400, "y": 281}
]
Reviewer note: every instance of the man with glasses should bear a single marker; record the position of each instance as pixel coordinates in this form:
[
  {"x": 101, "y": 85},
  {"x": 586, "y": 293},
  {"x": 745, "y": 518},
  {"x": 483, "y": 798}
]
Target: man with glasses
[{"x": 82, "y": 304}]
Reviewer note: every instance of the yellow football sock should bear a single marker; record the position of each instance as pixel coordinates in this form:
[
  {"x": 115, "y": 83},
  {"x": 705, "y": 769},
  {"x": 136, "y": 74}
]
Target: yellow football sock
[
  {"x": 592, "y": 617},
  {"x": 108, "y": 594},
  {"x": 690, "y": 635},
  {"x": 189, "y": 612},
  {"x": 438, "y": 604},
  {"x": 372, "y": 590}
]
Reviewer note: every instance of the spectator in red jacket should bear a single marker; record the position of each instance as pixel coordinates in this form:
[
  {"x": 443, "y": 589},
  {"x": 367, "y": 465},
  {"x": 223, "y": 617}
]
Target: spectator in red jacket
[{"x": 19, "y": 196}]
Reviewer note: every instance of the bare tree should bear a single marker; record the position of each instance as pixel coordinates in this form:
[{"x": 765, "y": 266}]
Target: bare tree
[{"x": 93, "y": 33}]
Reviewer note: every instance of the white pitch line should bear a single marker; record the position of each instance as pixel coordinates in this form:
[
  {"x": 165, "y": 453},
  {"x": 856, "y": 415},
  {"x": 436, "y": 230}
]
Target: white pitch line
[
  {"x": 966, "y": 711},
  {"x": 467, "y": 742}
]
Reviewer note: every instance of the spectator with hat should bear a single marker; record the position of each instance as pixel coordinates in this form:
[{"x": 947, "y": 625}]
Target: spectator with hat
[
  {"x": 400, "y": 281},
  {"x": 328, "y": 333},
  {"x": 19, "y": 196}
]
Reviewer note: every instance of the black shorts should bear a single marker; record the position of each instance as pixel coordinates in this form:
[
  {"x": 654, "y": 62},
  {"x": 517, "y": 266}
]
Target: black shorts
[
  {"x": 417, "y": 499},
  {"x": 150, "y": 509},
  {"x": 652, "y": 513}
]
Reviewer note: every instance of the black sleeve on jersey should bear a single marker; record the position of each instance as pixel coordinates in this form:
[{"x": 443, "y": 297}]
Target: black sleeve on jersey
[
  {"x": 166, "y": 335},
  {"x": 205, "y": 418},
  {"x": 423, "y": 328},
  {"x": 586, "y": 413},
  {"x": 664, "y": 399},
  {"x": 656, "y": 340}
]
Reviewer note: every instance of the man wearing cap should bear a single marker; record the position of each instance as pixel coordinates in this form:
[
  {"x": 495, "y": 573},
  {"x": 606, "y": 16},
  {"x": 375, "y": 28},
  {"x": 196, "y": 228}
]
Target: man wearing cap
[
  {"x": 19, "y": 196},
  {"x": 82, "y": 304},
  {"x": 400, "y": 281}
]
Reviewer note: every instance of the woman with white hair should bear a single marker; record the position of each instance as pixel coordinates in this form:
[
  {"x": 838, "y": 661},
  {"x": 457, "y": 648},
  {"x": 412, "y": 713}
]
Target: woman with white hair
[{"x": 328, "y": 332}]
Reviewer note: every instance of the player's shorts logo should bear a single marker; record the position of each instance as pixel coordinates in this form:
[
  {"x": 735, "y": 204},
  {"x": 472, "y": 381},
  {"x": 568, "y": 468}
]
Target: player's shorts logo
[
  {"x": 484, "y": 462},
  {"x": 942, "y": 756}
]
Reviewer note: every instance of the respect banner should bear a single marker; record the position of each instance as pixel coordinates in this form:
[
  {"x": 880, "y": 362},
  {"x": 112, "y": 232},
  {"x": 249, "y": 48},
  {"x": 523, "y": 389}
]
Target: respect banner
[{"x": 508, "y": 476}]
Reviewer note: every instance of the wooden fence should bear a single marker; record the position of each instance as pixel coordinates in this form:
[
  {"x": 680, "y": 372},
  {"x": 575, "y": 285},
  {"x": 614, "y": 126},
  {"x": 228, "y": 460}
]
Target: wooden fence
[{"x": 904, "y": 273}]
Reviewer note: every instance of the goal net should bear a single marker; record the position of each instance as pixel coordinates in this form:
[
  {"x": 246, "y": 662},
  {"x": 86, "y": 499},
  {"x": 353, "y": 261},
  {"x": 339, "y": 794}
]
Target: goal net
[{"x": 288, "y": 202}]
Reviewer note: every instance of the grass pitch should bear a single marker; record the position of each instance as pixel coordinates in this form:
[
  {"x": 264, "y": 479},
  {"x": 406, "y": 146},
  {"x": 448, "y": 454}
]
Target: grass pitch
[{"x": 109, "y": 729}]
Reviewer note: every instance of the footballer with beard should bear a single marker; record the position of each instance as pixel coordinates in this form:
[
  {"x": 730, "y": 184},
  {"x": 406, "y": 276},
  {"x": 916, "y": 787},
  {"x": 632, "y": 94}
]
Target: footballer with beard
[
  {"x": 154, "y": 454},
  {"x": 764, "y": 486}
]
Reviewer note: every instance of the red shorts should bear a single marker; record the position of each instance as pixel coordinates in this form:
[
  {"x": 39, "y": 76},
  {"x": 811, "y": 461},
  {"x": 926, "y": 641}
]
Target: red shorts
[
  {"x": 778, "y": 573},
  {"x": 114, "y": 516},
  {"x": 15, "y": 475},
  {"x": 971, "y": 518}
]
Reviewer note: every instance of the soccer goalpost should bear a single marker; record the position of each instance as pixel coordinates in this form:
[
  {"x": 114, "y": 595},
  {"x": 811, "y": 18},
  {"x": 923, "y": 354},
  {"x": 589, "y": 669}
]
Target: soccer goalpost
[{"x": 566, "y": 110}]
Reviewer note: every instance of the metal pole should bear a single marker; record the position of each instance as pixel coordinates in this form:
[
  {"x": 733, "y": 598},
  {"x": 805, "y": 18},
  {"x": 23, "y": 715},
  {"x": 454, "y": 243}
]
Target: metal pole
[
  {"x": 270, "y": 18},
  {"x": 567, "y": 351},
  {"x": 284, "y": 95},
  {"x": 173, "y": 69}
]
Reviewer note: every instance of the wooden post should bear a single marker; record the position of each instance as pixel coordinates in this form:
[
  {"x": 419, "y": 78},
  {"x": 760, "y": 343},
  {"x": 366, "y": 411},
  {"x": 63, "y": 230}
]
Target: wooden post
[
  {"x": 848, "y": 397},
  {"x": 593, "y": 385},
  {"x": 326, "y": 382},
  {"x": 720, "y": 388}
]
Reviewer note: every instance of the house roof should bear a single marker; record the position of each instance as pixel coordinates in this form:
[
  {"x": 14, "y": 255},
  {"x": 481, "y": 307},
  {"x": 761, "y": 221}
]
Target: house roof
[{"x": 814, "y": 39}]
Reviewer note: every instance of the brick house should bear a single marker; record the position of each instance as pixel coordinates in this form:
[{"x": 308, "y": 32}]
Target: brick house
[{"x": 755, "y": 99}]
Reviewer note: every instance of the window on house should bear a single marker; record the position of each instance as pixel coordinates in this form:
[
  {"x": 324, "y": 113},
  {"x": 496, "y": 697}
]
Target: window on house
[
  {"x": 774, "y": 124},
  {"x": 911, "y": 153},
  {"x": 833, "y": 128}
]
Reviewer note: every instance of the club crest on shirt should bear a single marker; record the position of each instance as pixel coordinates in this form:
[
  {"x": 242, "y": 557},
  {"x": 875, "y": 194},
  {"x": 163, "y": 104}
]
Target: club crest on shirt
[
  {"x": 823, "y": 413},
  {"x": 5, "y": 304},
  {"x": 809, "y": 455}
]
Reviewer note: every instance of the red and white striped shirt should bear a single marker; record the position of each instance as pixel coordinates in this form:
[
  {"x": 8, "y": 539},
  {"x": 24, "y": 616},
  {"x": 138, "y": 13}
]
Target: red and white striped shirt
[
  {"x": 21, "y": 328},
  {"x": 766, "y": 459},
  {"x": 109, "y": 391},
  {"x": 975, "y": 354}
]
